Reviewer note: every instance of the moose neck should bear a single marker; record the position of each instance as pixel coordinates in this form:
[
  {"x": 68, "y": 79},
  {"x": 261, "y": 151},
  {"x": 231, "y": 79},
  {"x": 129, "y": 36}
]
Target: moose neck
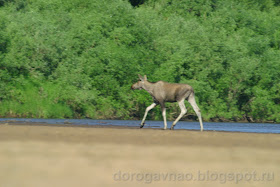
[{"x": 149, "y": 87}]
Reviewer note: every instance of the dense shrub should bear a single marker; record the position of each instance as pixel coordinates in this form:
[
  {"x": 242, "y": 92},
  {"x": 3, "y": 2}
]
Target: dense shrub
[{"x": 78, "y": 58}]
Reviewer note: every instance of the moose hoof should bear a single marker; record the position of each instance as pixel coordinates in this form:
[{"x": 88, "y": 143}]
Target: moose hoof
[
  {"x": 141, "y": 126},
  {"x": 172, "y": 127}
]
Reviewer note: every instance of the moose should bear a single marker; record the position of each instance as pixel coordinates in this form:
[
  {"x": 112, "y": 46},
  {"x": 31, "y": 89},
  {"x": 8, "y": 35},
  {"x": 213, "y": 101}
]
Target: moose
[{"x": 162, "y": 92}]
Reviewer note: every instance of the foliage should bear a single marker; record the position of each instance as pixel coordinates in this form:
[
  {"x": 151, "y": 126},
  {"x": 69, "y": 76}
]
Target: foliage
[{"x": 78, "y": 58}]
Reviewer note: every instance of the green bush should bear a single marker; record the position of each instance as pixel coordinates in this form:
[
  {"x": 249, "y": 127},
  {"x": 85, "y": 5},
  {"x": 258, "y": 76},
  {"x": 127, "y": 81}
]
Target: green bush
[{"x": 78, "y": 58}]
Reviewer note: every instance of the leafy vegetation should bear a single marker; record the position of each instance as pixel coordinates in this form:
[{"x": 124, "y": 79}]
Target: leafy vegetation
[{"x": 78, "y": 58}]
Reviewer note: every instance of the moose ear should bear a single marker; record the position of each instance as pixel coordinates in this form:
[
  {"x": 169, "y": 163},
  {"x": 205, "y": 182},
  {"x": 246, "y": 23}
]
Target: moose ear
[
  {"x": 145, "y": 77},
  {"x": 140, "y": 77}
]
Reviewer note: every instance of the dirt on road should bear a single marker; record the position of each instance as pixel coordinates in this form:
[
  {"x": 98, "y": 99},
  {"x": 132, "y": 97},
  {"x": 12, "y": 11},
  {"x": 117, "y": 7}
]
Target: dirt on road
[{"x": 67, "y": 155}]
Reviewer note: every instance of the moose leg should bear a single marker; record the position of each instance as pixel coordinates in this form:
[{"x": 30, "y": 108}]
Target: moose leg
[
  {"x": 183, "y": 112},
  {"x": 196, "y": 109},
  {"x": 164, "y": 116},
  {"x": 146, "y": 112}
]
